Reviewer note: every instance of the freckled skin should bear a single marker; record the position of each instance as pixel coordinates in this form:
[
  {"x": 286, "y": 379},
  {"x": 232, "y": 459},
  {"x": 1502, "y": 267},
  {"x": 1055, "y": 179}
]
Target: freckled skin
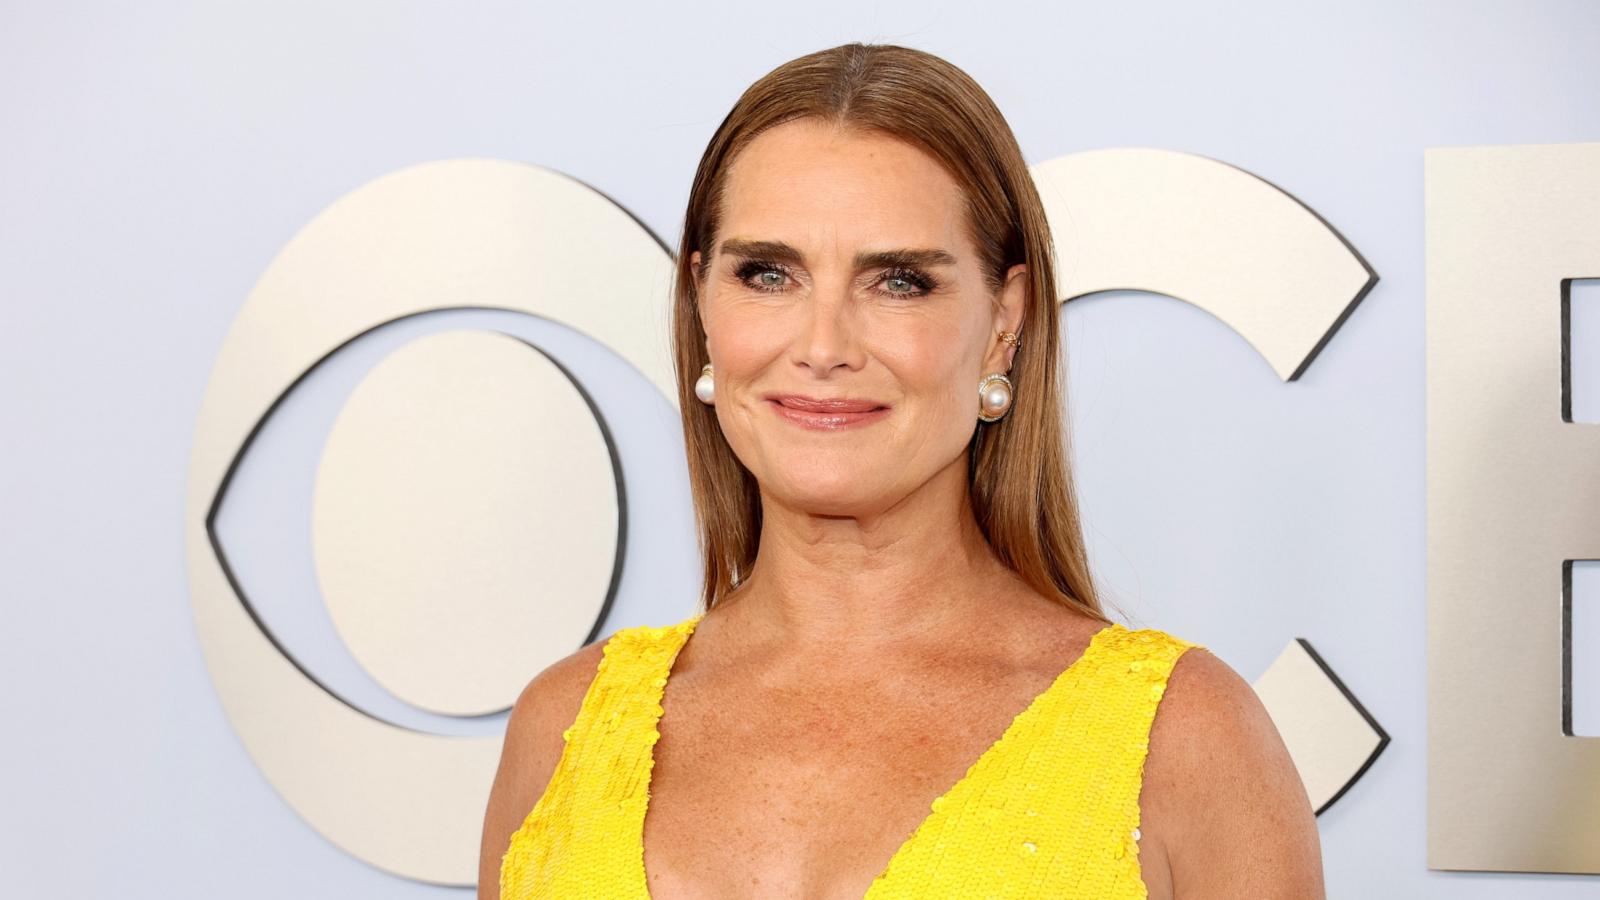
[{"x": 877, "y": 646}]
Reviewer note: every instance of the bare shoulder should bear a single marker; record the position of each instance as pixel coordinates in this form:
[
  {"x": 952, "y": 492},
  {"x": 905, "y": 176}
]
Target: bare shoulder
[
  {"x": 533, "y": 746},
  {"x": 1233, "y": 813}
]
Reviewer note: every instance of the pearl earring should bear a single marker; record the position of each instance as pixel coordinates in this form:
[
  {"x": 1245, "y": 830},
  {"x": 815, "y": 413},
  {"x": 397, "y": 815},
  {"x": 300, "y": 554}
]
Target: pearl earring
[
  {"x": 994, "y": 397},
  {"x": 705, "y": 388}
]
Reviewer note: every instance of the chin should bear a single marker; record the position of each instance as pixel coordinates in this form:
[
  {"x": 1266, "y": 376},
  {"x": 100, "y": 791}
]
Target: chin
[{"x": 825, "y": 491}]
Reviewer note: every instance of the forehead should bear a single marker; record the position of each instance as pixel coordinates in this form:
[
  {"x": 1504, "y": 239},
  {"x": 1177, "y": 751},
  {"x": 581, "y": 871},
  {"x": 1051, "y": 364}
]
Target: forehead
[{"x": 815, "y": 185}]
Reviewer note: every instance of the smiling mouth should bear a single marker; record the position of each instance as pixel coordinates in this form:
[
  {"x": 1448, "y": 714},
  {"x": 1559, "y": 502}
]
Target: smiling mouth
[{"x": 830, "y": 417}]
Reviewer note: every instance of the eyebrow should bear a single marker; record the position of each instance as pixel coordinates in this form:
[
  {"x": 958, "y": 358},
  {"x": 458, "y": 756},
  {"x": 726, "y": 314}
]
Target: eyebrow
[{"x": 781, "y": 251}]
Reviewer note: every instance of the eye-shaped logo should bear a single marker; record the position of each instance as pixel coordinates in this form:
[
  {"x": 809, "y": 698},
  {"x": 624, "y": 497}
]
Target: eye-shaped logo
[
  {"x": 467, "y": 507},
  {"x": 466, "y": 513}
]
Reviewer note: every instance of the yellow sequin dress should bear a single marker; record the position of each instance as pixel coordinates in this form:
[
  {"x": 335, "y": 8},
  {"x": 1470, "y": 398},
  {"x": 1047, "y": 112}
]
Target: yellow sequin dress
[{"x": 1049, "y": 810}]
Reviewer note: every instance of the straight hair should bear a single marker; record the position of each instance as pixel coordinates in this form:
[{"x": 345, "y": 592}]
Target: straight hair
[{"x": 1019, "y": 474}]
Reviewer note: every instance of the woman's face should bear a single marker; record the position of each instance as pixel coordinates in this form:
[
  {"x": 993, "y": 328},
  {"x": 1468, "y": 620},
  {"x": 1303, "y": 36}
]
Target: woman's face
[{"x": 843, "y": 272}]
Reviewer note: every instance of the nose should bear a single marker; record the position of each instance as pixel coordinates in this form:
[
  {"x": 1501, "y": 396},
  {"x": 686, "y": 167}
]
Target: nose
[{"x": 828, "y": 333}]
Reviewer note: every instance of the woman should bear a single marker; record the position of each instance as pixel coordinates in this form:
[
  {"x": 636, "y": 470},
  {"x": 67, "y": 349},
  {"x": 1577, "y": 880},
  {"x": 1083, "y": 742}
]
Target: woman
[{"x": 894, "y": 570}]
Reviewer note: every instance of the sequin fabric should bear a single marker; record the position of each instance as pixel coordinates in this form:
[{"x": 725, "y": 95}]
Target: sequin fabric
[{"x": 1051, "y": 809}]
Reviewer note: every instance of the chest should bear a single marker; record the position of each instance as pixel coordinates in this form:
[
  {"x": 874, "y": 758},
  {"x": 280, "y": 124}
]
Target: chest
[
  {"x": 670, "y": 788},
  {"x": 813, "y": 793},
  {"x": 811, "y": 803}
]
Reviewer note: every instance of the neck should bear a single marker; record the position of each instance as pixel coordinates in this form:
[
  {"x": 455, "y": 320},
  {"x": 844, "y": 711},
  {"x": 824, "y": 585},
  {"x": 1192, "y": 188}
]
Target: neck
[{"x": 918, "y": 569}]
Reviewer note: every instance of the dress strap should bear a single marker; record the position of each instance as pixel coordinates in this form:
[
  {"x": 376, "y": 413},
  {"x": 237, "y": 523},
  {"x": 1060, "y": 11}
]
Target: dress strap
[
  {"x": 1092, "y": 757},
  {"x": 581, "y": 838},
  {"x": 1053, "y": 808}
]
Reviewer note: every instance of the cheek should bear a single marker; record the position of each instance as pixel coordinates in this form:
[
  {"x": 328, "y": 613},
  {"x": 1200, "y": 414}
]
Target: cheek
[
  {"x": 740, "y": 335},
  {"x": 938, "y": 382},
  {"x": 929, "y": 366}
]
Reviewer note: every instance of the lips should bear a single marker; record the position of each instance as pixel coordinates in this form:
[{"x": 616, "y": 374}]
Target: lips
[
  {"x": 825, "y": 404},
  {"x": 827, "y": 413}
]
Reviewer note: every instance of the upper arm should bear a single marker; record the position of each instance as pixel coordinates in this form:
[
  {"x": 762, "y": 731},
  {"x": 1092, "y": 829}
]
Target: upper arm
[
  {"x": 528, "y": 757},
  {"x": 1236, "y": 818}
]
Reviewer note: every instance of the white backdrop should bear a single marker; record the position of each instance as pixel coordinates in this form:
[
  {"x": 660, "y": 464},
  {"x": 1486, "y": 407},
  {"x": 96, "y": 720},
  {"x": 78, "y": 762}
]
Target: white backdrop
[{"x": 155, "y": 158}]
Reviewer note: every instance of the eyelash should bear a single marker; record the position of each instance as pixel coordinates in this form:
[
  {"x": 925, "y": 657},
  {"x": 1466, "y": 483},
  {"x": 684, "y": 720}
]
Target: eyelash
[{"x": 924, "y": 283}]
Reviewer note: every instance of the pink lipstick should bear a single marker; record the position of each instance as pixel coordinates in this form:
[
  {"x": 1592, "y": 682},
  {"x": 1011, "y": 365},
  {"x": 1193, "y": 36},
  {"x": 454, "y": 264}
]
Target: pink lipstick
[{"x": 827, "y": 413}]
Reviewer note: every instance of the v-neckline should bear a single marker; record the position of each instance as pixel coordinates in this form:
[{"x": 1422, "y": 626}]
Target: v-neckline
[{"x": 1013, "y": 729}]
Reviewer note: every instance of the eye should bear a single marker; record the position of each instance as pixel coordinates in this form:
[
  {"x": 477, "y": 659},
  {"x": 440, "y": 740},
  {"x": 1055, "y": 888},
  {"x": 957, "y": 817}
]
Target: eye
[
  {"x": 916, "y": 283},
  {"x": 760, "y": 270},
  {"x": 767, "y": 276}
]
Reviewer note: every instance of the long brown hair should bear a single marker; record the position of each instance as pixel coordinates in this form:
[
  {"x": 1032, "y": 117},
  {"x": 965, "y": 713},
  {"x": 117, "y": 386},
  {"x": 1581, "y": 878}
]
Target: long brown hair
[{"x": 1019, "y": 475}]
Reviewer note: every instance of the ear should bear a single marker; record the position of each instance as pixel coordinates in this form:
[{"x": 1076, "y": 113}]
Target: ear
[
  {"x": 694, "y": 275},
  {"x": 1009, "y": 306}
]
